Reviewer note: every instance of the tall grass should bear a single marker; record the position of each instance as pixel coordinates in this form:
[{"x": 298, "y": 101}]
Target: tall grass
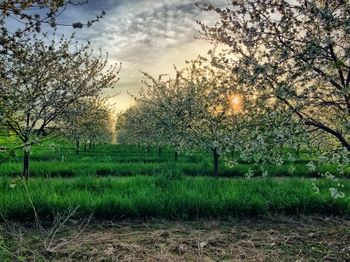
[
  {"x": 80, "y": 168},
  {"x": 122, "y": 160},
  {"x": 169, "y": 197}
]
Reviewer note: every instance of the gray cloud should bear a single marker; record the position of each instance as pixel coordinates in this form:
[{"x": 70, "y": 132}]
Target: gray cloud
[{"x": 149, "y": 35}]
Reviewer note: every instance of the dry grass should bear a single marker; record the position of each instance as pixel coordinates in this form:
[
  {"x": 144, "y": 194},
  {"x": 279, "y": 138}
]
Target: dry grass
[{"x": 274, "y": 239}]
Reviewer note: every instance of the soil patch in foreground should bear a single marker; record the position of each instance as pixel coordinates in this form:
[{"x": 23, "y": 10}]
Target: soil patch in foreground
[{"x": 272, "y": 239}]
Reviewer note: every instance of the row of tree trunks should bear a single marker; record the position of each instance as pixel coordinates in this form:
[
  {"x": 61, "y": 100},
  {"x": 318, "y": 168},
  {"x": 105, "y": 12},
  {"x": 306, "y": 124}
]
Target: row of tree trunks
[
  {"x": 160, "y": 152},
  {"x": 77, "y": 146},
  {"x": 176, "y": 154},
  {"x": 216, "y": 157},
  {"x": 26, "y": 154}
]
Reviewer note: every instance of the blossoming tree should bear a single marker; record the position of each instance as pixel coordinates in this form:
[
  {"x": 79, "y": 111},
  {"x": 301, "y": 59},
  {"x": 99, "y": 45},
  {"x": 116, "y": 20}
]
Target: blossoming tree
[
  {"x": 296, "y": 52},
  {"x": 42, "y": 81},
  {"x": 87, "y": 120},
  {"x": 198, "y": 110}
]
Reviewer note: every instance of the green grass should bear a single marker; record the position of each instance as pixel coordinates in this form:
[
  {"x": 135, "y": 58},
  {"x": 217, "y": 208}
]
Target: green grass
[
  {"x": 60, "y": 160},
  {"x": 169, "y": 197},
  {"x": 117, "y": 182},
  {"x": 72, "y": 169}
]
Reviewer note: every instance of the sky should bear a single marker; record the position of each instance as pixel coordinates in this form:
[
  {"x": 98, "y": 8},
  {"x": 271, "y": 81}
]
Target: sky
[{"x": 147, "y": 35}]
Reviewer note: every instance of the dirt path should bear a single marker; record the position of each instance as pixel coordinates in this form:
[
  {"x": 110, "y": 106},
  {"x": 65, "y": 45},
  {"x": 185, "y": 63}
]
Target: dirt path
[{"x": 275, "y": 239}]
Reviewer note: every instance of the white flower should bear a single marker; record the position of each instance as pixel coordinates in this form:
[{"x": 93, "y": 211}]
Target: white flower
[
  {"x": 291, "y": 169},
  {"x": 311, "y": 165},
  {"x": 232, "y": 163},
  {"x": 202, "y": 244},
  {"x": 27, "y": 147},
  {"x": 249, "y": 174},
  {"x": 315, "y": 188},
  {"x": 264, "y": 172},
  {"x": 335, "y": 193},
  {"x": 328, "y": 175}
]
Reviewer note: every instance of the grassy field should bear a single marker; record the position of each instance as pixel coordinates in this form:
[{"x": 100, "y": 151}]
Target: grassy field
[
  {"x": 164, "y": 197},
  {"x": 130, "y": 187},
  {"x": 60, "y": 160},
  {"x": 117, "y": 181}
]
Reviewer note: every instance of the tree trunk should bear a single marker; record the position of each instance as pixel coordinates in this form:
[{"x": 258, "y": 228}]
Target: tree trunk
[
  {"x": 148, "y": 149},
  {"x": 77, "y": 147},
  {"x": 216, "y": 162},
  {"x": 85, "y": 145},
  {"x": 298, "y": 151},
  {"x": 176, "y": 156},
  {"x": 26, "y": 163},
  {"x": 159, "y": 151},
  {"x": 90, "y": 144}
]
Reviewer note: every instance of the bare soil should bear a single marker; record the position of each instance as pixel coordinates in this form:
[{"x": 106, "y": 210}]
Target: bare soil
[{"x": 268, "y": 239}]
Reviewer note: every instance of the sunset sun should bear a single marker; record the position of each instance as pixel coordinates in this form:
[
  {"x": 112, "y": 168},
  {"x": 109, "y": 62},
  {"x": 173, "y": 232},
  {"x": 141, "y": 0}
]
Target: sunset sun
[{"x": 235, "y": 102}]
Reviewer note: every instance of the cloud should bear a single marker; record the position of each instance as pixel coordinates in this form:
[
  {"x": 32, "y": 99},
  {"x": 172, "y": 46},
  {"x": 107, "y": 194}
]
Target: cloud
[
  {"x": 148, "y": 35},
  {"x": 133, "y": 27}
]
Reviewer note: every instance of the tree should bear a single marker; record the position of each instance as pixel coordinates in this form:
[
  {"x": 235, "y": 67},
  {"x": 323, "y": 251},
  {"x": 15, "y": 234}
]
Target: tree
[
  {"x": 87, "y": 120},
  {"x": 198, "y": 110},
  {"x": 19, "y": 20},
  {"x": 295, "y": 53},
  {"x": 161, "y": 98},
  {"x": 213, "y": 109},
  {"x": 43, "y": 81},
  {"x": 137, "y": 125}
]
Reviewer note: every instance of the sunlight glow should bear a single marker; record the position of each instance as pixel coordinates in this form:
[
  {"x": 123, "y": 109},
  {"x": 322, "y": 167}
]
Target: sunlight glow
[{"x": 236, "y": 102}]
